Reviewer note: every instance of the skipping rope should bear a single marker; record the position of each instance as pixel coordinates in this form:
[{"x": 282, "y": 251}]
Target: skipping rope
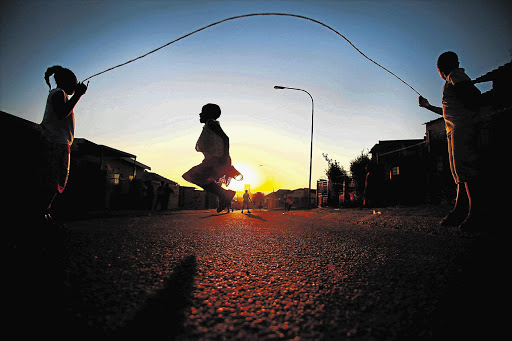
[{"x": 254, "y": 15}]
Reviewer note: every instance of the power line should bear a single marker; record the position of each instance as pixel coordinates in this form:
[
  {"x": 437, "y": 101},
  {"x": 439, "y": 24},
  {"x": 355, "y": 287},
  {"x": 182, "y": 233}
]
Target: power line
[{"x": 403, "y": 148}]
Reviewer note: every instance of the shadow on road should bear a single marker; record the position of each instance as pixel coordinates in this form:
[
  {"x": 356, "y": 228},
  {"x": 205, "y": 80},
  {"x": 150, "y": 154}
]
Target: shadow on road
[
  {"x": 214, "y": 215},
  {"x": 250, "y": 215},
  {"x": 33, "y": 278},
  {"x": 163, "y": 314}
]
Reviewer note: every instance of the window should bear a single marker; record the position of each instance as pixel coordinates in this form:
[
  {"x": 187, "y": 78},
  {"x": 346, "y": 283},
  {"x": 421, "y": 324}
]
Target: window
[{"x": 395, "y": 171}]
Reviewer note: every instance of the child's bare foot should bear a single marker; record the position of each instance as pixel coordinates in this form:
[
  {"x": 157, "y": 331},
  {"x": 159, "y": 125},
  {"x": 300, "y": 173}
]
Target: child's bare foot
[
  {"x": 453, "y": 218},
  {"x": 472, "y": 223}
]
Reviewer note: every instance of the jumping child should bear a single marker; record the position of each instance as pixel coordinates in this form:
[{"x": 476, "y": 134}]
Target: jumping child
[
  {"x": 216, "y": 165},
  {"x": 57, "y": 130},
  {"x": 461, "y": 100}
]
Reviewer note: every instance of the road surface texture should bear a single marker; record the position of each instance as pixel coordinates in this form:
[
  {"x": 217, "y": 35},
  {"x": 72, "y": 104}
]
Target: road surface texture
[{"x": 347, "y": 274}]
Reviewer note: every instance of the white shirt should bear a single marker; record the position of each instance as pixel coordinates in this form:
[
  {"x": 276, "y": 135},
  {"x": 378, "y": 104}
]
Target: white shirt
[
  {"x": 53, "y": 128},
  {"x": 209, "y": 143},
  {"x": 454, "y": 112}
]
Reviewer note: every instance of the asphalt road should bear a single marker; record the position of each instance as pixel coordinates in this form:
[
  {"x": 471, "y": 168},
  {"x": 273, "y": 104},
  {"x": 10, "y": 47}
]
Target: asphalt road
[{"x": 266, "y": 275}]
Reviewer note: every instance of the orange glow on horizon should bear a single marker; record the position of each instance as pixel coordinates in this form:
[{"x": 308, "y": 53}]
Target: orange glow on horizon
[
  {"x": 256, "y": 178},
  {"x": 250, "y": 177}
]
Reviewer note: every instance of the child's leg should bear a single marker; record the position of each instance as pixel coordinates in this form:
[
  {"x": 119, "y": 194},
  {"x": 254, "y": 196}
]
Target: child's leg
[
  {"x": 57, "y": 174},
  {"x": 42, "y": 203},
  {"x": 226, "y": 203},
  {"x": 225, "y": 196},
  {"x": 47, "y": 216},
  {"x": 460, "y": 210},
  {"x": 212, "y": 187},
  {"x": 50, "y": 202},
  {"x": 474, "y": 217},
  {"x": 462, "y": 200}
]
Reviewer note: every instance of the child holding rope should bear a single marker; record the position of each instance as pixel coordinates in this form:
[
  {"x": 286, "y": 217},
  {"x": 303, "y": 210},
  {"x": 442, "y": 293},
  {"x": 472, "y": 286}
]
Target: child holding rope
[
  {"x": 214, "y": 144},
  {"x": 57, "y": 130},
  {"x": 460, "y": 108}
]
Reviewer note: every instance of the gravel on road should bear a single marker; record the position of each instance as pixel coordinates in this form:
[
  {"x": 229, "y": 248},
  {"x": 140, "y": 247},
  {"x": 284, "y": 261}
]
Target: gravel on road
[{"x": 352, "y": 274}]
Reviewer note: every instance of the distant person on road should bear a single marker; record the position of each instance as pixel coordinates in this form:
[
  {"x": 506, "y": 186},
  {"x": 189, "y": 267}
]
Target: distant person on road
[
  {"x": 147, "y": 195},
  {"x": 288, "y": 204},
  {"x": 245, "y": 202},
  {"x": 57, "y": 130},
  {"x": 216, "y": 166},
  {"x": 369, "y": 188},
  {"x": 461, "y": 101},
  {"x": 167, "y": 192},
  {"x": 160, "y": 197}
]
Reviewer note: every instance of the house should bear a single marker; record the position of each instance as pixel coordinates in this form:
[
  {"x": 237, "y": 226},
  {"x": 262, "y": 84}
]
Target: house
[
  {"x": 191, "y": 198},
  {"x": 495, "y": 120},
  {"x": 276, "y": 199},
  {"x": 100, "y": 176},
  {"x": 322, "y": 190},
  {"x": 400, "y": 168},
  {"x": 499, "y": 96},
  {"x": 151, "y": 182},
  {"x": 437, "y": 166},
  {"x": 345, "y": 194},
  {"x": 299, "y": 198}
]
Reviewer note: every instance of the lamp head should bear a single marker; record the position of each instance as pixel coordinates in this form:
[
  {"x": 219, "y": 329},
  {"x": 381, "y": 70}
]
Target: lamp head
[{"x": 278, "y": 87}]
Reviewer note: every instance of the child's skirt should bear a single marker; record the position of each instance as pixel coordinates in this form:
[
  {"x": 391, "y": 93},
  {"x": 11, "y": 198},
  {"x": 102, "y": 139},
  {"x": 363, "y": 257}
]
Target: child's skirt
[{"x": 213, "y": 169}]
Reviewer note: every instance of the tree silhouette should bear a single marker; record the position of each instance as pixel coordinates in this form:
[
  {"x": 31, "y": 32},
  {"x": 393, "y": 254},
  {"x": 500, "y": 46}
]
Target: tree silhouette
[
  {"x": 336, "y": 175},
  {"x": 358, "y": 169}
]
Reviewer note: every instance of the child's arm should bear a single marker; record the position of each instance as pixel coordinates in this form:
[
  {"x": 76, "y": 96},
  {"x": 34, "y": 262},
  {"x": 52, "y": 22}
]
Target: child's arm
[
  {"x": 62, "y": 108},
  {"x": 423, "y": 102}
]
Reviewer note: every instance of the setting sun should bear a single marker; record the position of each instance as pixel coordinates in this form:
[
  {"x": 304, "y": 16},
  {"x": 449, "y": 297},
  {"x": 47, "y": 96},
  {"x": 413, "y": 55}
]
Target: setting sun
[{"x": 250, "y": 177}]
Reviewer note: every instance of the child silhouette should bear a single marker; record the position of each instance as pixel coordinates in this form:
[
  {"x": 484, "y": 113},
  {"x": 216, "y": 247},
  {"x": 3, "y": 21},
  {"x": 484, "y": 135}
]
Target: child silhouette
[
  {"x": 57, "y": 130},
  {"x": 216, "y": 166},
  {"x": 461, "y": 105}
]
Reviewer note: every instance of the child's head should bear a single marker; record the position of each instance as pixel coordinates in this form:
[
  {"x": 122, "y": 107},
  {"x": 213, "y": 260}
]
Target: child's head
[
  {"x": 65, "y": 78},
  {"x": 446, "y": 63},
  {"x": 209, "y": 112}
]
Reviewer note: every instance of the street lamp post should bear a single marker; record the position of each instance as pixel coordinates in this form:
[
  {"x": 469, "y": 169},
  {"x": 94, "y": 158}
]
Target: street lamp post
[{"x": 278, "y": 87}]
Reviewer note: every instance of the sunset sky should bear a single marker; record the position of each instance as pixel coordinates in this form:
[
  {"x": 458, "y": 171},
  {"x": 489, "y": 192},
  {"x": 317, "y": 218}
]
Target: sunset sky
[{"x": 150, "y": 107}]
